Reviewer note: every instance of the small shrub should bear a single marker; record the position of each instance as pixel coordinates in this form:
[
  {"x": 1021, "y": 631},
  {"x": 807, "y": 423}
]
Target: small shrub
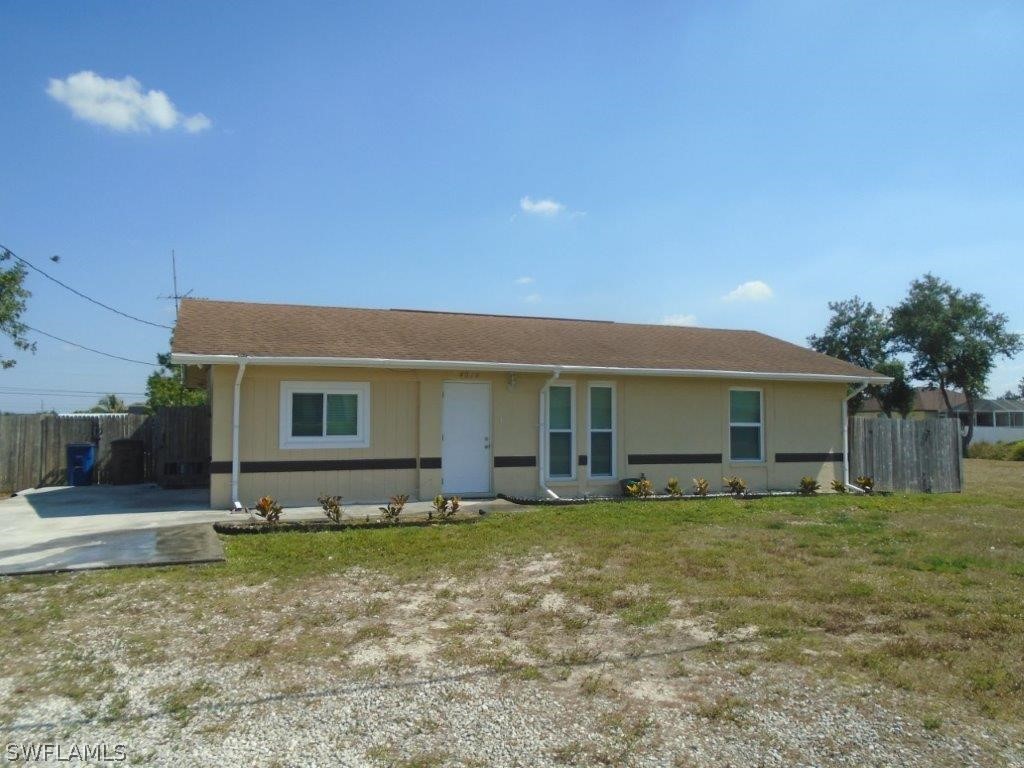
[
  {"x": 445, "y": 508},
  {"x": 440, "y": 507},
  {"x": 672, "y": 487},
  {"x": 808, "y": 486},
  {"x": 331, "y": 505},
  {"x": 701, "y": 486},
  {"x": 736, "y": 485},
  {"x": 268, "y": 508},
  {"x": 641, "y": 489},
  {"x": 998, "y": 451},
  {"x": 865, "y": 482},
  {"x": 396, "y": 504},
  {"x": 839, "y": 486}
]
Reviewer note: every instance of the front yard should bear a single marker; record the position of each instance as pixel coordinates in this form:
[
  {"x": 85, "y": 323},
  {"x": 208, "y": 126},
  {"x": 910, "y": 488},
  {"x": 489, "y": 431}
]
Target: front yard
[{"x": 829, "y": 630}]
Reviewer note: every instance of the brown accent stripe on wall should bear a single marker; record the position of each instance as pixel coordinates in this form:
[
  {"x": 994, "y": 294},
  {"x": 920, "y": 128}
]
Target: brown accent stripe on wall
[
  {"x": 783, "y": 458},
  {"x": 515, "y": 461},
  {"x": 322, "y": 465},
  {"x": 430, "y": 462},
  {"x": 675, "y": 458}
]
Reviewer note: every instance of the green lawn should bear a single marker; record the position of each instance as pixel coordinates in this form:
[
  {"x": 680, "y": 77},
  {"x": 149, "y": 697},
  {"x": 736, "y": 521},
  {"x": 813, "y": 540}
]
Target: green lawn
[{"x": 920, "y": 592}]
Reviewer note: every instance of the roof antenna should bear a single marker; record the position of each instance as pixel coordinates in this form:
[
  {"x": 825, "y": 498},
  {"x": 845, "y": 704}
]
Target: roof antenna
[{"x": 176, "y": 296}]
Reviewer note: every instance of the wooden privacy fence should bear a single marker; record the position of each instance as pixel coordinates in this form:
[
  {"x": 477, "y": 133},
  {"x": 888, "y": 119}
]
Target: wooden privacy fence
[
  {"x": 175, "y": 442},
  {"x": 907, "y": 455}
]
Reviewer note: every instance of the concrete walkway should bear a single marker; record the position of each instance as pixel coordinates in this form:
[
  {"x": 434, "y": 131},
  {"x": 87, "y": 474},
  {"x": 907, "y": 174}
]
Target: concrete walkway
[{"x": 105, "y": 526}]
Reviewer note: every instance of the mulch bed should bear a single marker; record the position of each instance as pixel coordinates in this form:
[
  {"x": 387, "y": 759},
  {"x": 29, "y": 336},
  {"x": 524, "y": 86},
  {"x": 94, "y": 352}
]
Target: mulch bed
[{"x": 233, "y": 527}]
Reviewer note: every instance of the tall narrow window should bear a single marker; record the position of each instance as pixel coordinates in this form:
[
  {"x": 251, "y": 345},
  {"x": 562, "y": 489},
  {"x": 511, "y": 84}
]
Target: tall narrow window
[
  {"x": 602, "y": 430},
  {"x": 560, "y": 438},
  {"x": 746, "y": 425}
]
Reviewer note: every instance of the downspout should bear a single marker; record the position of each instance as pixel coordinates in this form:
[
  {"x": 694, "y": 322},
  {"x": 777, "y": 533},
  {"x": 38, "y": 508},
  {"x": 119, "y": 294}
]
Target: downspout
[
  {"x": 846, "y": 436},
  {"x": 542, "y": 424},
  {"x": 235, "y": 411}
]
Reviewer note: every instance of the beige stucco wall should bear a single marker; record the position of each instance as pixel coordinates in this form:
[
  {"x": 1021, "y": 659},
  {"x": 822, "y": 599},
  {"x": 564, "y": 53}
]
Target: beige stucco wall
[{"x": 653, "y": 416}]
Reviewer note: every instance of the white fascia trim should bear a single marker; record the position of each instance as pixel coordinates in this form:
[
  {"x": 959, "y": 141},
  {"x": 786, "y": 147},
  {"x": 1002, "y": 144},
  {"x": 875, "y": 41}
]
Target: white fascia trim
[{"x": 188, "y": 358}]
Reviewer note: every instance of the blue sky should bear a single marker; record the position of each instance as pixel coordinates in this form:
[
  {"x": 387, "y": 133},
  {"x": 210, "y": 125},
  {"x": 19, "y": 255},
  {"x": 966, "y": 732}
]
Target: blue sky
[{"x": 635, "y": 162}]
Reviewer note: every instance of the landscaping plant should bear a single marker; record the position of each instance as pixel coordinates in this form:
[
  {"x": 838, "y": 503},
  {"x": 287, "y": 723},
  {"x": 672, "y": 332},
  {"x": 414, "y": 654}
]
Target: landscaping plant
[
  {"x": 268, "y": 508},
  {"x": 865, "y": 482},
  {"x": 396, "y": 504},
  {"x": 453, "y": 504},
  {"x": 701, "y": 486},
  {"x": 736, "y": 485},
  {"x": 672, "y": 487},
  {"x": 808, "y": 486},
  {"x": 641, "y": 489},
  {"x": 440, "y": 506},
  {"x": 839, "y": 486},
  {"x": 331, "y": 506}
]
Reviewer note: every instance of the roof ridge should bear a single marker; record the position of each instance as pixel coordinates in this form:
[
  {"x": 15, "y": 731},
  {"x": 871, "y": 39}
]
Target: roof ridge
[{"x": 478, "y": 314}]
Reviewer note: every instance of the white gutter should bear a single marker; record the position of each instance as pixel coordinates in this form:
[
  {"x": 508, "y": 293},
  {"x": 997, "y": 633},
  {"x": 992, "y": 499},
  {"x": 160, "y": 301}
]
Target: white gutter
[
  {"x": 235, "y": 417},
  {"x": 846, "y": 436},
  {"x": 542, "y": 423},
  {"x": 188, "y": 358}
]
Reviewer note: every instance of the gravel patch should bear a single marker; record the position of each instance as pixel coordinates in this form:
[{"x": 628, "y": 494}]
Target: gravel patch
[{"x": 504, "y": 671}]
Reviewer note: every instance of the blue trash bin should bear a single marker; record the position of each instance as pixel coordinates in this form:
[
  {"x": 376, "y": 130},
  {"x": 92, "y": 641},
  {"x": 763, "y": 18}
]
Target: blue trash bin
[{"x": 81, "y": 460}]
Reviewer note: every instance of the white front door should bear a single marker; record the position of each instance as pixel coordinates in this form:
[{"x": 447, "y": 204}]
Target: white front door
[{"x": 466, "y": 437}]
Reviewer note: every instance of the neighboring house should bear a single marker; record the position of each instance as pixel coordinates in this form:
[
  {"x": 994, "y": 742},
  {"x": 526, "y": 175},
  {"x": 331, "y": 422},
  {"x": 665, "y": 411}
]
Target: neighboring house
[
  {"x": 367, "y": 403},
  {"x": 928, "y": 404},
  {"x": 995, "y": 421}
]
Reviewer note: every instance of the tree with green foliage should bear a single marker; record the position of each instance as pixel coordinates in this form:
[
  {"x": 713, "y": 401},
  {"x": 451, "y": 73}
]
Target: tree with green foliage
[
  {"x": 953, "y": 339},
  {"x": 899, "y": 394},
  {"x": 109, "y": 404},
  {"x": 13, "y": 299},
  {"x": 167, "y": 386},
  {"x": 859, "y": 333},
  {"x": 1017, "y": 394}
]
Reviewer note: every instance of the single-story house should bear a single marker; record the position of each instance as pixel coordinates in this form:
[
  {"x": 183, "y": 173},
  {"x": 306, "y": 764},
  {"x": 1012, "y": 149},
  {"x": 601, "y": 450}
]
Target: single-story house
[
  {"x": 995, "y": 421},
  {"x": 367, "y": 403},
  {"x": 928, "y": 404}
]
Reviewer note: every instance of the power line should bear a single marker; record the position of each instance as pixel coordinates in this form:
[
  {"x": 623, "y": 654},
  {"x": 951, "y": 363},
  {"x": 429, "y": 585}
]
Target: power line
[
  {"x": 11, "y": 389},
  {"x": 89, "y": 349},
  {"x": 51, "y": 394},
  {"x": 98, "y": 303}
]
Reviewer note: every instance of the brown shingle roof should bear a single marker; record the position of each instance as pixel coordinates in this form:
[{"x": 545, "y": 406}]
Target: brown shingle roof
[
  {"x": 924, "y": 400},
  {"x": 208, "y": 327}
]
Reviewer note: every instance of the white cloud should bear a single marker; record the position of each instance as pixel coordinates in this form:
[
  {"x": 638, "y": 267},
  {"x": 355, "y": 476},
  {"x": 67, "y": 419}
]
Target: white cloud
[
  {"x": 525, "y": 280},
  {"x": 752, "y": 290},
  {"x": 679, "y": 320},
  {"x": 196, "y": 123},
  {"x": 532, "y": 298},
  {"x": 121, "y": 105},
  {"x": 545, "y": 207}
]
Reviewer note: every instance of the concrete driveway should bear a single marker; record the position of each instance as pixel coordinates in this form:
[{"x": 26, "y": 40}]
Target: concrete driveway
[{"x": 102, "y": 526}]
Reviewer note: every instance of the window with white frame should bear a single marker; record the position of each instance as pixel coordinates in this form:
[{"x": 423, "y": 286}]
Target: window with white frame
[
  {"x": 561, "y": 442},
  {"x": 324, "y": 414},
  {"x": 602, "y": 430},
  {"x": 746, "y": 425}
]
